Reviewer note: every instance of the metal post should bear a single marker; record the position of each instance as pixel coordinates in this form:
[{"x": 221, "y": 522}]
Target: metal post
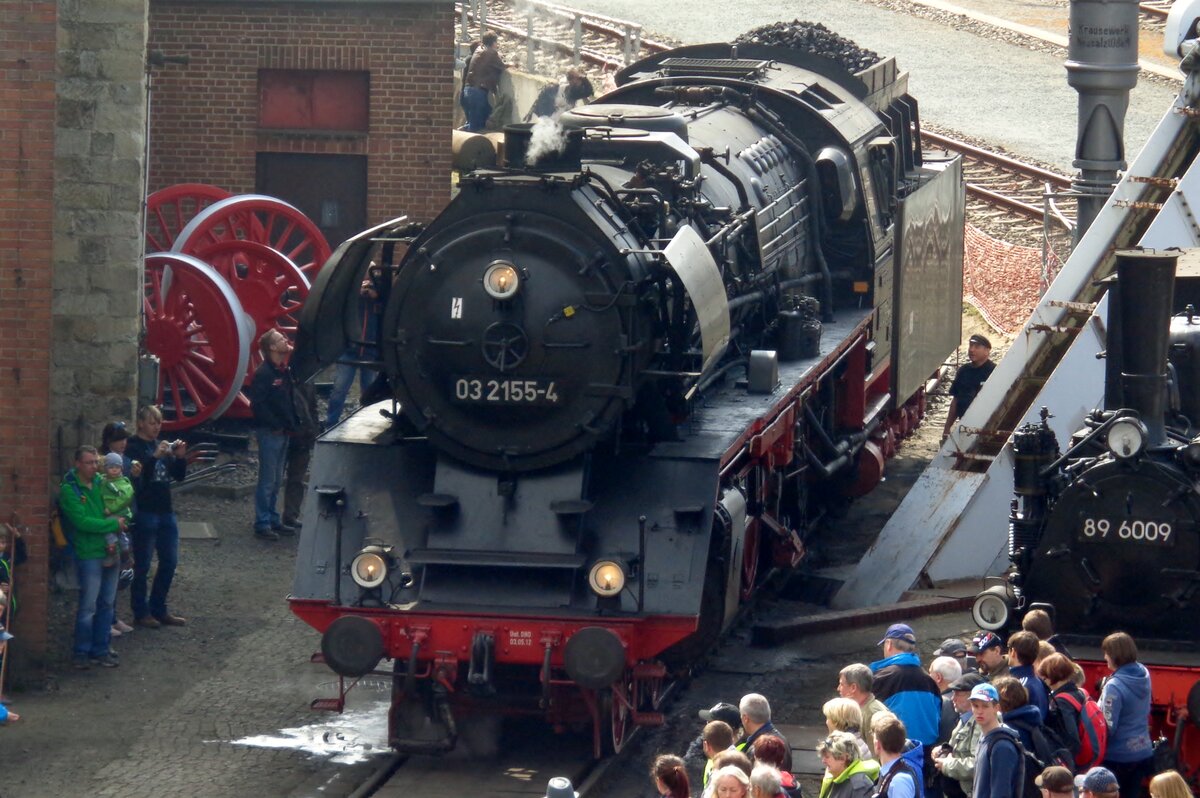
[
  {"x": 626, "y": 45},
  {"x": 577, "y": 24},
  {"x": 463, "y": 34},
  {"x": 637, "y": 43},
  {"x": 530, "y": 63},
  {"x": 1102, "y": 66},
  {"x": 481, "y": 15}
]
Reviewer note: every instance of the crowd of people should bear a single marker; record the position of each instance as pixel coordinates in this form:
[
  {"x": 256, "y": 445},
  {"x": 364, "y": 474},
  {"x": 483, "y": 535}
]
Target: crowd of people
[{"x": 992, "y": 718}]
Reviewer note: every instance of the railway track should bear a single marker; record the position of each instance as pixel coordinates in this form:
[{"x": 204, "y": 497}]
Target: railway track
[
  {"x": 1003, "y": 190},
  {"x": 1156, "y": 9}
]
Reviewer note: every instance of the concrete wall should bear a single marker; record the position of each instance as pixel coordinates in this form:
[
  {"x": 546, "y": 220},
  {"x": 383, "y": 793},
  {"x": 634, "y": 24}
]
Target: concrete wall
[
  {"x": 204, "y": 117},
  {"x": 99, "y": 155},
  {"x": 27, "y": 111}
]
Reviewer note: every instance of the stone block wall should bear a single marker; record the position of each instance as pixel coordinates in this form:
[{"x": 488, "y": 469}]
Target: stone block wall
[
  {"x": 27, "y": 63},
  {"x": 204, "y": 117},
  {"x": 99, "y": 149}
]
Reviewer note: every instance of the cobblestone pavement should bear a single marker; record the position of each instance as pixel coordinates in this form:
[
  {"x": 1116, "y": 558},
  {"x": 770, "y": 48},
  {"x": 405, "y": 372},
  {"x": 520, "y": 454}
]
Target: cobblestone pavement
[{"x": 163, "y": 724}]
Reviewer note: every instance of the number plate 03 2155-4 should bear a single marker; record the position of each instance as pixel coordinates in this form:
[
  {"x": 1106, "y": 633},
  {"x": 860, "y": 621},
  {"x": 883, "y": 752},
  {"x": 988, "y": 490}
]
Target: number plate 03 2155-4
[{"x": 502, "y": 391}]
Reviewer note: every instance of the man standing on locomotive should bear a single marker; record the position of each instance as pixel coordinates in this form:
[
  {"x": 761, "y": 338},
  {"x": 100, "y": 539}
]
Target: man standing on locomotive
[{"x": 969, "y": 380}]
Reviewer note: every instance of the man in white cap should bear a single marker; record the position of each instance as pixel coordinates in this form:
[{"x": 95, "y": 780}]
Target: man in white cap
[{"x": 999, "y": 763}]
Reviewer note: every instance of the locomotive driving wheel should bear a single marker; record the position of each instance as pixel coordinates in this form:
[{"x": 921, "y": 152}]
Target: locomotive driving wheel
[
  {"x": 169, "y": 210},
  {"x": 750, "y": 558},
  {"x": 622, "y": 714},
  {"x": 260, "y": 219},
  {"x": 271, "y": 288},
  {"x": 194, "y": 325}
]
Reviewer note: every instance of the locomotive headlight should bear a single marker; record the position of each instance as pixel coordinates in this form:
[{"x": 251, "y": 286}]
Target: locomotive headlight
[
  {"x": 501, "y": 280},
  {"x": 370, "y": 567},
  {"x": 607, "y": 578},
  {"x": 1127, "y": 438}
]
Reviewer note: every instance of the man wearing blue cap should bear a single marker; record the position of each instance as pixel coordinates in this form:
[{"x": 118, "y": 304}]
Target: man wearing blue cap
[
  {"x": 999, "y": 763},
  {"x": 904, "y": 686},
  {"x": 1097, "y": 783}
]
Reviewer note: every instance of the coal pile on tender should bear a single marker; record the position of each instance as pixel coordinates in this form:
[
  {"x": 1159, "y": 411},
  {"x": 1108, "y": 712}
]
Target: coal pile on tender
[{"x": 815, "y": 38}]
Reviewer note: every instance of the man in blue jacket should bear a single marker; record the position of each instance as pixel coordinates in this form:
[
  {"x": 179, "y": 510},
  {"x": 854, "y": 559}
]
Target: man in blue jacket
[
  {"x": 1022, "y": 652},
  {"x": 904, "y": 686},
  {"x": 999, "y": 762}
]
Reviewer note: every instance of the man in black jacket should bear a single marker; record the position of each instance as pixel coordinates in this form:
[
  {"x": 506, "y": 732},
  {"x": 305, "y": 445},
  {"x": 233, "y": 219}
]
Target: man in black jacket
[{"x": 272, "y": 398}]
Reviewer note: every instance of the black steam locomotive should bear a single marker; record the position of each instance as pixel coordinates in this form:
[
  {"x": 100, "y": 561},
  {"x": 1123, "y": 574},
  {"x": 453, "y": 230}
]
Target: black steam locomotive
[
  {"x": 1105, "y": 536},
  {"x": 1105, "y": 533},
  {"x": 627, "y": 374}
]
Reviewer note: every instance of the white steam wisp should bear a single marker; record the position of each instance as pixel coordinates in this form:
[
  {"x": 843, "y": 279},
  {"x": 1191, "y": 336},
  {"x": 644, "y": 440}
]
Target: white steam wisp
[{"x": 547, "y": 137}]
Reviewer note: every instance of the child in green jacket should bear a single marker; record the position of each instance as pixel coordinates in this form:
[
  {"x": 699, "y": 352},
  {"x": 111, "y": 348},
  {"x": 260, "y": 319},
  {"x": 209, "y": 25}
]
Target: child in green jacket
[{"x": 118, "y": 503}]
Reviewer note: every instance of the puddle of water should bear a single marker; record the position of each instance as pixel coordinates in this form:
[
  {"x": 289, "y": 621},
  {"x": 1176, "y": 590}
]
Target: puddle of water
[{"x": 354, "y": 736}]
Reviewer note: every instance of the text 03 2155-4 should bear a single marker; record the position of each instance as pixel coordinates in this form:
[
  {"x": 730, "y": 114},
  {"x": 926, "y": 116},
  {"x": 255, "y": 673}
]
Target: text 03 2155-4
[{"x": 477, "y": 390}]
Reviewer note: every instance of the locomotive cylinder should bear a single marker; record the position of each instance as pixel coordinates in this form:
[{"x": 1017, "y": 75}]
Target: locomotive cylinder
[{"x": 1146, "y": 280}]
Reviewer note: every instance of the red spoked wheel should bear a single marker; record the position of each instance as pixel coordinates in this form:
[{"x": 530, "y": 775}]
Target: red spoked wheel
[
  {"x": 271, "y": 289},
  {"x": 749, "y": 560},
  {"x": 261, "y": 219},
  {"x": 170, "y": 209},
  {"x": 622, "y": 720},
  {"x": 195, "y": 326}
]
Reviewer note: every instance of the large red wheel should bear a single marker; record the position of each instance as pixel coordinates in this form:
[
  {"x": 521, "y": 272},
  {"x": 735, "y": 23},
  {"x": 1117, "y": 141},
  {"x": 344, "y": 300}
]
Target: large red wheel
[
  {"x": 195, "y": 326},
  {"x": 271, "y": 289},
  {"x": 264, "y": 220},
  {"x": 169, "y": 210},
  {"x": 750, "y": 559},
  {"x": 621, "y": 724}
]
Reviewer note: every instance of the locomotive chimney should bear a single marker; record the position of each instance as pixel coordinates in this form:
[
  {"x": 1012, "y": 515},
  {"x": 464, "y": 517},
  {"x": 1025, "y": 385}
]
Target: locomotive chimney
[
  {"x": 1102, "y": 65},
  {"x": 1145, "y": 293}
]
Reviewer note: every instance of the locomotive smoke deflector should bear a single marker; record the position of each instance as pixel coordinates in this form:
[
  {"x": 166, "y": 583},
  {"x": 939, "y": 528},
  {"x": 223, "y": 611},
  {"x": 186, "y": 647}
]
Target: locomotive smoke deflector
[{"x": 691, "y": 260}]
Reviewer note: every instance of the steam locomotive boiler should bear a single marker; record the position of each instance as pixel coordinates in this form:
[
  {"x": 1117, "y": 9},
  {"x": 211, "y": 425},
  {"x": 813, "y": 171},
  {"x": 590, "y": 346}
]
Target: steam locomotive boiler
[
  {"x": 627, "y": 374},
  {"x": 1105, "y": 536}
]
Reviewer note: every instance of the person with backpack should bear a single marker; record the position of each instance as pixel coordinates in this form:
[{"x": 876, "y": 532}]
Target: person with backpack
[
  {"x": 900, "y": 759},
  {"x": 1075, "y": 718},
  {"x": 999, "y": 763},
  {"x": 1125, "y": 700},
  {"x": 1022, "y": 653},
  {"x": 1042, "y": 748}
]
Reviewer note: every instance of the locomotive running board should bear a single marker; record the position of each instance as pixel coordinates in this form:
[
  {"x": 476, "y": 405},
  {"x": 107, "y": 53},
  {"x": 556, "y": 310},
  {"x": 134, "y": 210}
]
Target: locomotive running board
[{"x": 953, "y": 523}]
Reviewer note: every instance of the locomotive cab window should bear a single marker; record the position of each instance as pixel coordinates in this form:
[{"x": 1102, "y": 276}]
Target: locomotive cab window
[{"x": 881, "y": 165}]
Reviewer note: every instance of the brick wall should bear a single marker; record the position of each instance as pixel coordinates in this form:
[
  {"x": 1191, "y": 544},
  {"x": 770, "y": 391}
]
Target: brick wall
[
  {"x": 1004, "y": 281},
  {"x": 27, "y": 85},
  {"x": 204, "y": 115}
]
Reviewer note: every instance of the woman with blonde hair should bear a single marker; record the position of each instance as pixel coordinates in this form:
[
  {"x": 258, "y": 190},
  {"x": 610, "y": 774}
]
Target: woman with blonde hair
[
  {"x": 1169, "y": 784},
  {"x": 845, "y": 715}
]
